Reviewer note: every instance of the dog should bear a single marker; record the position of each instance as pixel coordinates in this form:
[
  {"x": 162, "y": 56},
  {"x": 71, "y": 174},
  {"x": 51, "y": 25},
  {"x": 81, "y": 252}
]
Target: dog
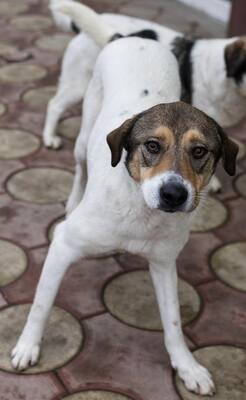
[
  {"x": 213, "y": 71},
  {"x": 144, "y": 161}
]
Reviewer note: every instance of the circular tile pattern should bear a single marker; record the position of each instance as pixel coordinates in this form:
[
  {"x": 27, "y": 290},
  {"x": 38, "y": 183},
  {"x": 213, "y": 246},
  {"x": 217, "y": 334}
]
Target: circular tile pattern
[
  {"x": 241, "y": 184},
  {"x": 13, "y": 262},
  {"x": 96, "y": 395},
  {"x": 37, "y": 99},
  {"x": 16, "y": 143},
  {"x": 130, "y": 297},
  {"x": 211, "y": 215},
  {"x": 13, "y": 8},
  {"x": 2, "y": 109},
  {"x": 31, "y": 22},
  {"x": 6, "y": 49},
  {"x": 242, "y": 149},
  {"x": 70, "y": 127},
  {"x": 228, "y": 367},
  {"x": 62, "y": 339},
  {"x": 21, "y": 73},
  {"x": 229, "y": 264},
  {"x": 57, "y": 42},
  {"x": 41, "y": 185}
]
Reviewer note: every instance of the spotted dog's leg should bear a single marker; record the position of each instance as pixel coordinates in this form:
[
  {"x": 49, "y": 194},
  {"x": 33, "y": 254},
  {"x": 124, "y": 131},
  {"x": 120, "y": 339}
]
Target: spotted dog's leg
[{"x": 196, "y": 378}]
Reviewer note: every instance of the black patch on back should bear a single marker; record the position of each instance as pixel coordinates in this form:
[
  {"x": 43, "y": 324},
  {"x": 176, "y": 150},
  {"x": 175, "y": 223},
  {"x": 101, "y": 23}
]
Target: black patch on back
[
  {"x": 182, "y": 48},
  {"x": 235, "y": 60},
  {"x": 145, "y": 34},
  {"x": 75, "y": 28}
]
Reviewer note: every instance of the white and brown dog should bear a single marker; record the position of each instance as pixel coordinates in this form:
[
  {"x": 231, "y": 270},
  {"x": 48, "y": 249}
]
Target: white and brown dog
[
  {"x": 213, "y": 71},
  {"x": 164, "y": 153}
]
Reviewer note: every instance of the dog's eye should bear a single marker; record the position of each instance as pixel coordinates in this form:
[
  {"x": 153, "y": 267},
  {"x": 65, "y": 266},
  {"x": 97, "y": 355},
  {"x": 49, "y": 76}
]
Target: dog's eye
[
  {"x": 199, "y": 152},
  {"x": 153, "y": 147}
]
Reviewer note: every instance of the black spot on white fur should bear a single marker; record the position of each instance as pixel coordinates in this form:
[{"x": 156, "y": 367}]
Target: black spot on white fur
[
  {"x": 75, "y": 28},
  {"x": 144, "y": 93},
  {"x": 182, "y": 48},
  {"x": 145, "y": 34}
]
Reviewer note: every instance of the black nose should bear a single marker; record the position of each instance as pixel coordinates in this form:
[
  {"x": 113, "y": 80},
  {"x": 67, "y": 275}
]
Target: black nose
[{"x": 173, "y": 194}]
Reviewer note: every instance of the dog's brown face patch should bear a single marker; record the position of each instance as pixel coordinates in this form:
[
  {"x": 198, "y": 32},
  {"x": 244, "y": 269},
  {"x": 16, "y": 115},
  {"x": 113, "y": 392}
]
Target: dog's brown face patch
[{"x": 173, "y": 137}]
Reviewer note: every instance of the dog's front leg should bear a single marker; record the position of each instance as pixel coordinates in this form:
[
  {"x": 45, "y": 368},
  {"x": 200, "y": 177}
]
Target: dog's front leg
[
  {"x": 195, "y": 376},
  {"x": 60, "y": 256}
]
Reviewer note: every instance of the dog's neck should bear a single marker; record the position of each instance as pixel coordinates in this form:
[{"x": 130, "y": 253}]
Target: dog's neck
[{"x": 214, "y": 93}]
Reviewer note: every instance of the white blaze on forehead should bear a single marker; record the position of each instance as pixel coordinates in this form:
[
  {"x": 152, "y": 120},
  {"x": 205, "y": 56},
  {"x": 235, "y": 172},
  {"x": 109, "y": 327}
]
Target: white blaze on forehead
[{"x": 151, "y": 188}]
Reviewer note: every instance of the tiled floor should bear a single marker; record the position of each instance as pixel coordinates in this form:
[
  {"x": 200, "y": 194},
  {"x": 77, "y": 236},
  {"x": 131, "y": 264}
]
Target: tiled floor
[{"x": 104, "y": 339}]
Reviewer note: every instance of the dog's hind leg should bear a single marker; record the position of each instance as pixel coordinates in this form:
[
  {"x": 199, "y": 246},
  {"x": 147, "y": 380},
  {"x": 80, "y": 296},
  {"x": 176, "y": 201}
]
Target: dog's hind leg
[
  {"x": 67, "y": 247},
  {"x": 196, "y": 378},
  {"x": 91, "y": 108},
  {"x": 77, "y": 67}
]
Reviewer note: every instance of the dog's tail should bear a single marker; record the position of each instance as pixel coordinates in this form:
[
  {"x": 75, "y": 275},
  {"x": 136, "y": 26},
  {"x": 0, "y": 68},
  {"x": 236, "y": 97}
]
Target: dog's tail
[
  {"x": 61, "y": 20},
  {"x": 84, "y": 18}
]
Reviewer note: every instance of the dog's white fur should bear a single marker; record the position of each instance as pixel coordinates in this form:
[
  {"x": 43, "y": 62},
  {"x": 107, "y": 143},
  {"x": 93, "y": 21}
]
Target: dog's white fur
[
  {"x": 110, "y": 210},
  {"x": 213, "y": 93}
]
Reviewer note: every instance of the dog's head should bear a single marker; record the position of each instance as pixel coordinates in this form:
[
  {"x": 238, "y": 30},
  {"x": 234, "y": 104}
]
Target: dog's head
[
  {"x": 172, "y": 151},
  {"x": 235, "y": 60}
]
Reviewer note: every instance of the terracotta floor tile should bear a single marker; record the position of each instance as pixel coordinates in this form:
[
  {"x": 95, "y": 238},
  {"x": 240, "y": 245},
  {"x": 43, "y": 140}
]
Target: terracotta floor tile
[
  {"x": 26, "y": 223},
  {"x": 121, "y": 357},
  {"x": 223, "y": 319},
  {"x": 35, "y": 387}
]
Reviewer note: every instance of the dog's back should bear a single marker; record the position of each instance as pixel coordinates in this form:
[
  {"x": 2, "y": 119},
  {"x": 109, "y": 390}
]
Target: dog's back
[{"x": 134, "y": 74}]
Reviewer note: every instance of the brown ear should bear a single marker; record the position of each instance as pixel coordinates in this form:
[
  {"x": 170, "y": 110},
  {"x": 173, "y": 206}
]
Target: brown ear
[
  {"x": 117, "y": 139},
  {"x": 229, "y": 152},
  {"x": 235, "y": 59}
]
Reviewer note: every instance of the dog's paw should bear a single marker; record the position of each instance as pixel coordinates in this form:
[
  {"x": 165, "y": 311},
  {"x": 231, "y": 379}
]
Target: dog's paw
[
  {"x": 197, "y": 379},
  {"x": 215, "y": 185},
  {"x": 24, "y": 354},
  {"x": 53, "y": 142}
]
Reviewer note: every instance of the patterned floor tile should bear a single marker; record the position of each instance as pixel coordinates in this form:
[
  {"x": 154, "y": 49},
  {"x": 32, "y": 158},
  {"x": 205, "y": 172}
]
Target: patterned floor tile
[
  {"x": 37, "y": 99},
  {"x": 16, "y": 143},
  {"x": 193, "y": 262},
  {"x": 13, "y": 262},
  {"x": 228, "y": 262},
  {"x": 32, "y": 387},
  {"x": 41, "y": 185},
  {"x": 242, "y": 149},
  {"x": 62, "y": 340},
  {"x": 70, "y": 127},
  {"x": 240, "y": 184},
  {"x": 56, "y": 42},
  {"x": 6, "y": 49},
  {"x": 222, "y": 319},
  {"x": 7, "y": 167},
  {"x": 228, "y": 367},
  {"x": 21, "y": 73},
  {"x": 234, "y": 229},
  {"x": 96, "y": 395},
  {"x": 31, "y": 23},
  {"x": 26, "y": 224},
  {"x": 2, "y": 109},
  {"x": 211, "y": 215},
  {"x": 121, "y": 357},
  {"x": 16, "y": 8},
  {"x": 130, "y": 297}
]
